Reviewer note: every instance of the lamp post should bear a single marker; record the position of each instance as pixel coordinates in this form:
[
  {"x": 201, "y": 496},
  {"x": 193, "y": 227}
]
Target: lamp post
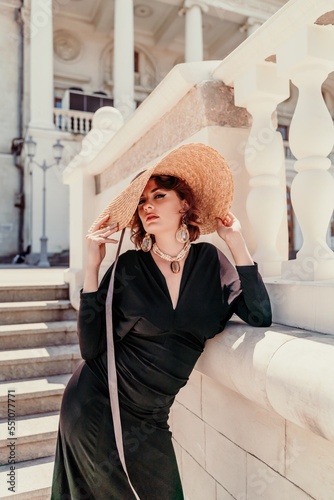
[{"x": 57, "y": 154}]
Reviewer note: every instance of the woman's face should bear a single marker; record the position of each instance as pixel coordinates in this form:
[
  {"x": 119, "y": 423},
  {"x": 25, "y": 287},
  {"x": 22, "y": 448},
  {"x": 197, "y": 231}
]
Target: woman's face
[{"x": 160, "y": 210}]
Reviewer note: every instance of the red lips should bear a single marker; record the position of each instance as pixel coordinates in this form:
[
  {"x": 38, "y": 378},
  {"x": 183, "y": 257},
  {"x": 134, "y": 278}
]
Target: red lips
[{"x": 150, "y": 217}]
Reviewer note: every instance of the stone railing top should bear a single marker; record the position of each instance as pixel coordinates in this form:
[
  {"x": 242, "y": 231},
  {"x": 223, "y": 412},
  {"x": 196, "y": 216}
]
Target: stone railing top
[
  {"x": 209, "y": 103},
  {"x": 277, "y": 30},
  {"x": 288, "y": 370}
]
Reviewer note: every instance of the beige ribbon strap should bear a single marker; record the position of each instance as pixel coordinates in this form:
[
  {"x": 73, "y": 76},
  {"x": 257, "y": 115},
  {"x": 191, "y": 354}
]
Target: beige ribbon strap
[{"x": 112, "y": 374}]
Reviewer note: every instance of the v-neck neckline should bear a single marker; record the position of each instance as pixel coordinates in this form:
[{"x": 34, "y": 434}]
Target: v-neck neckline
[{"x": 164, "y": 281}]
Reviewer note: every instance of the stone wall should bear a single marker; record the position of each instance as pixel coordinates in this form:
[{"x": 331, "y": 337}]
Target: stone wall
[
  {"x": 9, "y": 182},
  {"x": 9, "y": 178},
  {"x": 229, "y": 446}
]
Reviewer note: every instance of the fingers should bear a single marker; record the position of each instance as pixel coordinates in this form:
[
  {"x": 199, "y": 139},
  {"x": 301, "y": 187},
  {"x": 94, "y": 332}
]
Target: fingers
[
  {"x": 107, "y": 230},
  {"x": 101, "y": 236},
  {"x": 104, "y": 230},
  {"x": 100, "y": 223},
  {"x": 100, "y": 239},
  {"x": 227, "y": 221}
]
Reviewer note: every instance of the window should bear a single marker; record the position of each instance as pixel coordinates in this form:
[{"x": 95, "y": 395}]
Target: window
[
  {"x": 87, "y": 102},
  {"x": 58, "y": 102}
]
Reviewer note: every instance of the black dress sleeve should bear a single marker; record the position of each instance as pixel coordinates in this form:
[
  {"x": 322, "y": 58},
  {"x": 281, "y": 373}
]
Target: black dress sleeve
[
  {"x": 91, "y": 320},
  {"x": 253, "y": 304},
  {"x": 244, "y": 290}
]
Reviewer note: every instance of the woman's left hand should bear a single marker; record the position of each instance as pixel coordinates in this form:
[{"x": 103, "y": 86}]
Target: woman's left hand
[{"x": 228, "y": 227}]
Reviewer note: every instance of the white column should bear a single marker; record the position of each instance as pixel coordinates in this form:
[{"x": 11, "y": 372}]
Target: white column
[
  {"x": 308, "y": 60},
  {"x": 41, "y": 65},
  {"x": 193, "y": 30},
  {"x": 260, "y": 90},
  {"x": 124, "y": 57}
]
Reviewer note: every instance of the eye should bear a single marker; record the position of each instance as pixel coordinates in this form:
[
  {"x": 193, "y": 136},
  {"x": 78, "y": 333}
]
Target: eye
[
  {"x": 160, "y": 195},
  {"x": 141, "y": 201}
]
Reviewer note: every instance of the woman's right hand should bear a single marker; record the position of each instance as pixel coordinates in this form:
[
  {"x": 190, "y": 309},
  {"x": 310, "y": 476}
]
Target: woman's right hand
[{"x": 97, "y": 239}]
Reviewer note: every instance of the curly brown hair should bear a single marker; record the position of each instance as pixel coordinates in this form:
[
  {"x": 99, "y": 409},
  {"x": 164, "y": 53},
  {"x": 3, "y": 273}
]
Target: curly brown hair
[{"x": 184, "y": 192}]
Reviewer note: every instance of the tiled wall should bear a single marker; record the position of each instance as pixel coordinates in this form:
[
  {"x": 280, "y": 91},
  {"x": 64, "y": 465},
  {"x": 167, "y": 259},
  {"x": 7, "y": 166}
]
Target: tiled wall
[{"x": 231, "y": 448}]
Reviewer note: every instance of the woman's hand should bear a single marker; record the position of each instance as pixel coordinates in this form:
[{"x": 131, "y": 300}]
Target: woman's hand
[
  {"x": 97, "y": 239},
  {"x": 229, "y": 229}
]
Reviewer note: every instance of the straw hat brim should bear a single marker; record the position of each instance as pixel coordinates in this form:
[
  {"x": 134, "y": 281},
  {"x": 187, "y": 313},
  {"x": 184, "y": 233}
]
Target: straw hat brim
[{"x": 204, "y": 170}]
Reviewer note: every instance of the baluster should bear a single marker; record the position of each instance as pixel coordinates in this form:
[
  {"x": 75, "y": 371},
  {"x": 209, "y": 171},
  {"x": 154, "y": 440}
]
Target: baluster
[
  {"x": 60, "y": 120},
  {"x": 75, "y": 123},
  {"x": 80, "y": 124},
  {"x": 260, "y": 90},
  {"x": 66, "y": 121},
  {"x": 308, "y": 59}
]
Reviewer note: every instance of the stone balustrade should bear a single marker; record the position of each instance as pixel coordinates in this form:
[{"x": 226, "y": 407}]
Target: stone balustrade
[
  {"x": 73, "y": 121},
  {"x": 293, "y": 45}
]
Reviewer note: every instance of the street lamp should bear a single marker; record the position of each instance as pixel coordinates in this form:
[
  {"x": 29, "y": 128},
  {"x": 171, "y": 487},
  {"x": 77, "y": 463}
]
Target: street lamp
[{"x": 57, "y": 154}]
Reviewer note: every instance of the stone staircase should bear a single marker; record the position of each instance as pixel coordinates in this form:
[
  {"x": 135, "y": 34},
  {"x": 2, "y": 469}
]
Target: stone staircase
[{"x": 38, "y": 353}]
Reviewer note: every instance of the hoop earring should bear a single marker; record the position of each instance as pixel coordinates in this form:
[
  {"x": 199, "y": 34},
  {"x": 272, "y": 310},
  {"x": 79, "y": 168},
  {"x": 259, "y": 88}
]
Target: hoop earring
[
  {"x": 182, "y": 234},
  {"x": 146, "y": 244}
]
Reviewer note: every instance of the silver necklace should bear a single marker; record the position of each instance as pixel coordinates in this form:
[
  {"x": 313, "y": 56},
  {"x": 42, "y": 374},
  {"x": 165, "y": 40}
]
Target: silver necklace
[{"x": 174, "y": 261}]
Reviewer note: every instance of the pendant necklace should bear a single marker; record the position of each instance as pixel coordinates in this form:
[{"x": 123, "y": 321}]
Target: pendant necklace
[{"x": 174, "y": 261}]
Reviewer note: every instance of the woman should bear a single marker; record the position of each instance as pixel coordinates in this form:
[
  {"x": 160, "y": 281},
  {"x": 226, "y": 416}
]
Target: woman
[{"x": 168, "y": 298}]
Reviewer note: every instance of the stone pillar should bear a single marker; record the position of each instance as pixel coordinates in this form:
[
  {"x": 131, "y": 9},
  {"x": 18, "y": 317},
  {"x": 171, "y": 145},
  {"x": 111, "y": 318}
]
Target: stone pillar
[
  {"x": 123, "y": 77},
  {"x": 260, "y": 90},
  {"x": 41, "y": 65},
  {"x": 193, "y": 30},
  {"x": 307, "y": 60}
]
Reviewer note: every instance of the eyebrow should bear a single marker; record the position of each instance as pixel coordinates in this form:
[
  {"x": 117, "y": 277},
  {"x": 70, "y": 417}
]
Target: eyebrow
[{"x": 154, "y": 190}]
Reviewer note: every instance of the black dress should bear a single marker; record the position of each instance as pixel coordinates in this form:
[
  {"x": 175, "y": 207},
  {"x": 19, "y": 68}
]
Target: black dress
[{"x": 156, "y": 348}]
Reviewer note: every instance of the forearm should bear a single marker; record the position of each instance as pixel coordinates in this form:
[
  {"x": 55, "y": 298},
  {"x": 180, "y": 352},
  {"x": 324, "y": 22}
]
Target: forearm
[
  {"x": 91, "y": 280},
  {"x": 253, "y": 306},
  {"x": 239, "y": 250},
  {"x": 96, "y": 251}
]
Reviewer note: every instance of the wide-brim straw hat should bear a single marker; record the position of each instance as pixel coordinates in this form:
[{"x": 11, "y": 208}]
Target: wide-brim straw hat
[{"x": 204, "y": 170}]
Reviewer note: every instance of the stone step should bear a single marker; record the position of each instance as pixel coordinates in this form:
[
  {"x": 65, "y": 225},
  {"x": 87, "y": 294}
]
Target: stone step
[
  {"x": 36, "y": 311},
  {"x": 33, "y": 396},
  {"x": 30, "y": 292},
  {"x": 38, "y": 362},
  {"x": 32, "y": 480},
  {"x": 38, "y": 334},
  {"x": 35, "y": 437}
]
